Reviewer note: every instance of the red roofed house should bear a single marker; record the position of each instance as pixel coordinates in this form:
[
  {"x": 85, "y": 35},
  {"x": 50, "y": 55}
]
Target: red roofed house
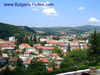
[
  {"x": 53, "y": 55},
  {"x": 13, "y": 60},
  {"x": 27, "y": 62},
  {"x": 27, "y": 47},
  {"x": 18, "y": 51},
  {"x": 10, "y": 67},
  {"x": 27, "y": 53},
  {"x": 58, "y": 60},
  {"x": 50, "y": 69},
  {"x": 52, "y": 42},
  {"x": 45, "y": 61},
  {"x": 47, "y": 50},
  {"x": 8, "y": 46}
]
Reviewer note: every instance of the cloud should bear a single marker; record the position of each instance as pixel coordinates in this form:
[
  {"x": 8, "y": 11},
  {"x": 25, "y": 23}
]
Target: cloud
[
  {"x": 81, "y": 8},
  {"x": 92, "y": 19},
  {"x": 50, "y": 11},
  {"x": 35, "y": 9}
]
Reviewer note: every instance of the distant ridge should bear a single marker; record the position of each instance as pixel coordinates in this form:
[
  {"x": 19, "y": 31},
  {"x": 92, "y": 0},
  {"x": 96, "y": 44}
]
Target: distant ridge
[{"x": 69, "y": 30}]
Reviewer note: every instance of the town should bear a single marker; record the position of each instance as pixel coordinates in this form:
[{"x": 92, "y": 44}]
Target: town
[{"x": 48, "y": 49}]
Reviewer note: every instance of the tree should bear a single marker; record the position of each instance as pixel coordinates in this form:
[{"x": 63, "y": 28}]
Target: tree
[
  {"x": 94, "y": 43},
  {"x": 26, "y": 40},
  {"x": 94, "y": 47},
  {"x": 35, "y": 39},
  {"x": 20, "y": 39},
  {"x": 68, "y": 48},
  {"x": 31, "y": 41},
  {"x": 19, "y": 62}
]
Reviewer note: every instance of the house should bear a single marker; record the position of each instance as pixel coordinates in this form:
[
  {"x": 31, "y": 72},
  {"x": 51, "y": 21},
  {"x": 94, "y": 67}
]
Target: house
[
  {"x": 52, "y": 42},
  {"x": 2, "y": 59},
  {"x": 27, "y": 47},
  {"x": 58, "y": 60},
  {"x": 27, "y": 62},
  {"x": 10, "y": 67},
  {"x": 18, "y": 51},
  {"x": 53, "y": 55},
  {"x": 50, "y": 69},
  {"x": 47, "y": 50},
  {"x": 45, "y": 61},
  {"x": 13, "y": 60},
  {"x": 27, "y": 53},
  {"x": 9, "y": 47}
]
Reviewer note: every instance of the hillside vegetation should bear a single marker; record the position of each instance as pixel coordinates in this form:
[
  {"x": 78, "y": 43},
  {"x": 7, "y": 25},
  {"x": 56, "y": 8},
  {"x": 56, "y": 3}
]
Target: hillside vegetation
[{"x": 7, "y": 30}]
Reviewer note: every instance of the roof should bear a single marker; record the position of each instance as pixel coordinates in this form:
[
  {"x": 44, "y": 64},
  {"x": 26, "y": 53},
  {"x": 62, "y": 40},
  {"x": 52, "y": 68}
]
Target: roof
[
  {"x": 85, "y": 47},
  {"x": 61, "y": 44},
  {"x": 7, "y": 45},
  {"x": 14, "y": 59},
  {"x": 35, "y": 45},
  {"x": 48, "y": 48},
  {"x": 58, "y": 58},
  {"x": 1, "y": 57},
  {"x": 27, "y": 61},
  {"x": 57, "y": 67},
  {"x": 19, "y": 50},
  {"x": 54, "y": 54},
  {"x": 50, "y": 69},
  {"x": 43, "y": 60},
  {"x": 27, "y": 52},
  {"x": 39, "y": 47},
  {"x": 10, "y": 67},
  {"x": 52, "y": 42},
  {"x": 26, "y": 45}
]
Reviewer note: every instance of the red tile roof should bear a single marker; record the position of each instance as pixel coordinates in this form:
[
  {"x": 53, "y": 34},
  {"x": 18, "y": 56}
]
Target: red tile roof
[
  {"x": 10, "y": 67},
  {"x": 26, "y": 45},
  {"x": 57, "y": 67},
  {"x": 35, "y": 45},
  {"x": 14, "y": 59},
  {"x": 27, "y": 52},
  {"x": 40, "y": 47},
  {"x": 27, "y": 61},
  {"x": 61, "y": 44},
  {"x": 50, "y": 69},
  {"x": 19, "y": 50},
  {"x": 85, "y": 47},
  {"x": 48, "y": 48},
  {"x": 7, "y": 45},
  {"x": 52, "y": 42},
  {"x": 54, "y": 54},
  {"x": 43, "y": 60}
]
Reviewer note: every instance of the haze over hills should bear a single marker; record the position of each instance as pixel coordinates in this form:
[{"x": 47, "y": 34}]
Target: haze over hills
[
  {"x": 7, "y": 30},
  {"x": 72, "y": 30}
]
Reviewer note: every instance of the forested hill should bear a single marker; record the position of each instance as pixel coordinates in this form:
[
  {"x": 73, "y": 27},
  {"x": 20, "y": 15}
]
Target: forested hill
[
  {"x": 7, "y": 30},
  {"x": 72, "y": 30}
]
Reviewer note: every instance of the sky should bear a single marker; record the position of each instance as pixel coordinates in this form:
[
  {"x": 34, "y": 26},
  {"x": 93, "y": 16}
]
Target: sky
[{"x": 64, "y": 13}]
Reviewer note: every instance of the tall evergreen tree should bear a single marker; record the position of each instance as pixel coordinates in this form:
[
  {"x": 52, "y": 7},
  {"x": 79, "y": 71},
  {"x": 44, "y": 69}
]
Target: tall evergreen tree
[
  {"x": 35, "y": 39},
  {"x": 68, "y": 48},
  {"x": 94, "y": 44},
  {"x": 26, "y": 40}
]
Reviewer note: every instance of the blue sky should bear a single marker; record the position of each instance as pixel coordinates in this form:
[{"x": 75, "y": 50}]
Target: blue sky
[{"x": 67, "y": 13}]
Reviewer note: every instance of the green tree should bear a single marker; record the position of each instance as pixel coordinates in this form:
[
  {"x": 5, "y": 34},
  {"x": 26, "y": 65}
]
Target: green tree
[
  {"x": 68, "y": 48},
  {"x": 26, "y": 40},
  {"x": 35, "y": 39},
  {"x": 20, "y": 39},
  {"x": 19, "y": 62}
]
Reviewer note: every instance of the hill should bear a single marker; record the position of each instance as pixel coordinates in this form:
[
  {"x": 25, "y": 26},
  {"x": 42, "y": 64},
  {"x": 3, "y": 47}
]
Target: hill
[
  {"x": 7, "y": 30},
  {"x": 68, "y": 30}
]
